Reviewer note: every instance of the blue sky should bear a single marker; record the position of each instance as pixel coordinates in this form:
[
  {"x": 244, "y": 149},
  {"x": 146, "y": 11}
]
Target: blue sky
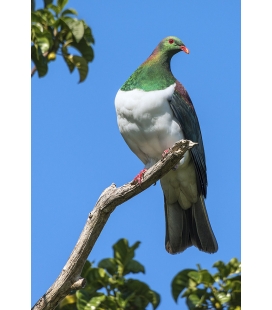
[{"x": 77, "y": 150}]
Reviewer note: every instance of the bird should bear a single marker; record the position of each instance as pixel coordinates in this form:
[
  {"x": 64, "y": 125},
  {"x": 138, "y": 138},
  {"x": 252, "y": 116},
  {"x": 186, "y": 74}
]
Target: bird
[{"x": 154, "y": 110}]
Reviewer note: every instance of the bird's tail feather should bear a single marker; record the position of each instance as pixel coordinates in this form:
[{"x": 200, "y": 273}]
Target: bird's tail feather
[{"x": 185, "y": 228}]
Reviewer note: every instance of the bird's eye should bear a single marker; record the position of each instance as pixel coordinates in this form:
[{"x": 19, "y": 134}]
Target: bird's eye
[{"x": 171, "y": 41}]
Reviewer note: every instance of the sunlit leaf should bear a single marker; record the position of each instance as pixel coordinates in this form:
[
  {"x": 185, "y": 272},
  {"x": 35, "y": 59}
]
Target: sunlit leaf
[
  {"x": 43, "y": 43},
  {"x": 46, "y": 16},
  {"x": 68, "y": 302},
  {"x": 195, "y": 275},
  {"x": 97, "y": 276},
  {"x": 77, "y": 29},
  {"x": 37, "y": 30},
  {"x": 69, "y": 11},
  {"x": 95, "y": 302},
  {"x": 192, "y": 301},
  {"x": 83, "y": 298},
  {"x": 61, "y": 4},
  {"x": 222, "y": 297},
  {"x": 54, "y": 8}
]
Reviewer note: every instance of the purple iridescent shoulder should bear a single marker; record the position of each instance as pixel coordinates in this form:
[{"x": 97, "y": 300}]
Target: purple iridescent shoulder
[{"x": 183, "y": 93}]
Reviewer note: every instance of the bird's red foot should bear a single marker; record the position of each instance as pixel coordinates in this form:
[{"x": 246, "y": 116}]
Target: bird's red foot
[
  {"x": 165, "y": 153},
  {"x": 139, "y": 177}
]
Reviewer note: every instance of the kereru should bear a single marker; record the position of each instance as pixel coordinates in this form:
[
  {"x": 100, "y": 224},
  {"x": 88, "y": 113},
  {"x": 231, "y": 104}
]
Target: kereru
[{"x": 153, "y": 112}]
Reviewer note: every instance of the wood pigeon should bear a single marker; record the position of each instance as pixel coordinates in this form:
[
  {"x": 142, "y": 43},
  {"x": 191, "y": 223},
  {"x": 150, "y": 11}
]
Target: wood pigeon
[{"x": 153, "y": 112}]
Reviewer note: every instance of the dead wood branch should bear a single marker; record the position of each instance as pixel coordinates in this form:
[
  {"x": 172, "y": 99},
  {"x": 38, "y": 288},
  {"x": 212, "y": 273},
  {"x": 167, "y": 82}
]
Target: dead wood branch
[{"x": 69, "y": 278}]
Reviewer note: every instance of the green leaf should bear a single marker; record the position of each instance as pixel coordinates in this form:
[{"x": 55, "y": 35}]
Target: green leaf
[
  {"x": 120, "y": 301},
  {"x": 47, "y": 17},
  {"x": 123, "y": 253},
  {"x": 206, "y": 277},
  {"x": 61, "y": 4},
  {"x": 195, "y": 275},
  {"x": 69, "y": 63},
  {"x": 222, "y": 297},
  {"x": 97, "y": 276},
  {"x": 54, "y": 8},
  {"x": 84, "y": 49},
  {"x": 95, "y": 302},
  {"x": 77, "y": 29},
  {"x": 138, "y": 295},
  {"x": 76, "y": 26},
  {"x": 109, "y": 264},
  {"x": 46, "y": 2},
  {"x": 69, "y": 11},
  {"x": 36, "y": 31},
  {"x": 180, "y": 282},
  {"x": 40, "y": 62},
  {"x": 222, "y": 268},
  {"x": 88, "y": 36},
  {"x": 235, "y": 266},
  {"x": 134, "y": 267},
  {"x": 83, "y": 298},
  {"x": 109, "y": 303},
  {"x": 43, "y": 43},
  {"x": 36, "y": 18},
  {"x": 192, "y": 301},
  {"x": 82, "y": 67},
  {"x": 154, "y": 298},
  {"x": 69, "y": 302}
]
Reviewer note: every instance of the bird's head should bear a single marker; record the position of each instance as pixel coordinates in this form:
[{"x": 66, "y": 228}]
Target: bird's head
[{"x": 172, "y": 45}]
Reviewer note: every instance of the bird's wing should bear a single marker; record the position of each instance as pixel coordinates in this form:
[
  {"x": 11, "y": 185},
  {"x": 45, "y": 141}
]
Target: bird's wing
[{"x": 184, "y": 111}]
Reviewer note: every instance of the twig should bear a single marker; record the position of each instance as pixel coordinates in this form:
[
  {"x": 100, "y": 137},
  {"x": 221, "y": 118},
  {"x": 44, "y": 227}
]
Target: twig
[
  {"x": 69, "y": 278},
  {"x": 33, "y": 70}
]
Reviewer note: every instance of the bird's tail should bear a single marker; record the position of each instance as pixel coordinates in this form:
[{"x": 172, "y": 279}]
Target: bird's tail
[{"x": 185, "y": 228}]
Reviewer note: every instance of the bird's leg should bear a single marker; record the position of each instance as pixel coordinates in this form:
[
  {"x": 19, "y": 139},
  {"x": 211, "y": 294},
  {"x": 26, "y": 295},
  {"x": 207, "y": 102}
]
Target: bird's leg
[{"x": 139, "y": 177}]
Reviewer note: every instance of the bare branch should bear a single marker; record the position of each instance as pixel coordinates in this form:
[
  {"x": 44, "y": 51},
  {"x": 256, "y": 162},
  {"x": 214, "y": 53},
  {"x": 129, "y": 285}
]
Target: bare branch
[
  {"x": 33, "y": 70},
  {"x": 69, "y": 278}
]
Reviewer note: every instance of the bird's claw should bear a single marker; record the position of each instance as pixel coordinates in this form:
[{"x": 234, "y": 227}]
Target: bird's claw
[
  {"x": 139, "y": 177},
  {"x": 165, "y": 152}
]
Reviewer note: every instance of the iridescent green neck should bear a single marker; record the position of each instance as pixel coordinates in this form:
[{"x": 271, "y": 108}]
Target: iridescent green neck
[{"x": 153, "y": 74}]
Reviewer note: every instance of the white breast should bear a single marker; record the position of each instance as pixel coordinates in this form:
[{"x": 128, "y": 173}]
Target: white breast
[{"x": 147, "y": 123}]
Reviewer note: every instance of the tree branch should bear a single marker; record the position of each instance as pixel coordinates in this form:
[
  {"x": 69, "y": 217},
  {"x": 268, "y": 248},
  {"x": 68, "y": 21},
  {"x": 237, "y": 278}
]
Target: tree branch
[
  {"x": 33, "y": 70},
  {"x": 69, "y": 278}
]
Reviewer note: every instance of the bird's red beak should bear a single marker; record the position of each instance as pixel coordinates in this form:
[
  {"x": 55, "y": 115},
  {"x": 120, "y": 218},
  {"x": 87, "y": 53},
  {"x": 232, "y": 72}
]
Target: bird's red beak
[{"x": 184, "y": 49}]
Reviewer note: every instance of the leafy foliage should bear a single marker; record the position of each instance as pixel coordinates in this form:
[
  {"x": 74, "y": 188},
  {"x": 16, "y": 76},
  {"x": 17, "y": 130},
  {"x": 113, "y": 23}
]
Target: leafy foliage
[
  {"x": 54, "y": 30},
  {"x": 107, "y": 287},
  {"x": 205, "y": 291}
]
